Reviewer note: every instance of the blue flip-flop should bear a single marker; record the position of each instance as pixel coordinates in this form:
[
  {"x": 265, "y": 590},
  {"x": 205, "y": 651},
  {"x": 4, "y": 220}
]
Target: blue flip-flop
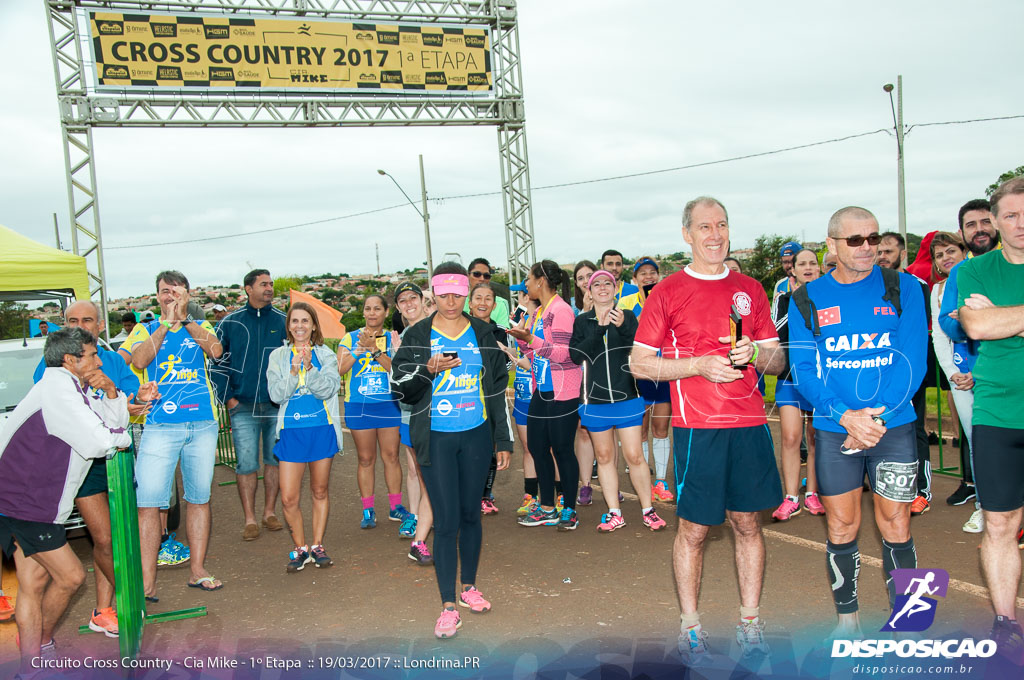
[{"x": 206, "y": 579}]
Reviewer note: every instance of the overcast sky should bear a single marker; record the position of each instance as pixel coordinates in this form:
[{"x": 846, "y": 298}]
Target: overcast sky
[{"x": 611, "y": 88}]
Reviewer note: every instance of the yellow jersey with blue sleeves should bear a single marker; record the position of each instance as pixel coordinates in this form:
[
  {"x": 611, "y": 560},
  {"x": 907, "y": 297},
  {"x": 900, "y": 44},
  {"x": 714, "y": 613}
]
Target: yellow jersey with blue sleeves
[
  {"x": 367, "y": 380},
  {"x": 181, "y": 373},
  {"x": 634, "y": 302},
  {"x": 457, "y": 400},
  {"x": 303, "y": 409}
]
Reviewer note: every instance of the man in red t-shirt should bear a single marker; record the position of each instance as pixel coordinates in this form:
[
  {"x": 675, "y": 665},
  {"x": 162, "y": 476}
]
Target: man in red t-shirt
[{"x": 724, "y": 456}]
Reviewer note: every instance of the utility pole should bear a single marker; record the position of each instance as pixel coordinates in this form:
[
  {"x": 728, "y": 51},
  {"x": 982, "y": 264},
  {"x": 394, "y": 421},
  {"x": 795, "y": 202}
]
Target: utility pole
[
  {"x": 377, "y": 247},
  {"x": 901, "y": 194},
  {"x": 426, "y": 220}
]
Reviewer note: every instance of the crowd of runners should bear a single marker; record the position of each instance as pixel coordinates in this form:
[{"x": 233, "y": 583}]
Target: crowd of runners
[{"x": 580, "y": 368}]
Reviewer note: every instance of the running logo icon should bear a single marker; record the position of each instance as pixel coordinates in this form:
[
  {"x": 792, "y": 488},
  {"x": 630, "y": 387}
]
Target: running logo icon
[{"x": 914, "y": 610}]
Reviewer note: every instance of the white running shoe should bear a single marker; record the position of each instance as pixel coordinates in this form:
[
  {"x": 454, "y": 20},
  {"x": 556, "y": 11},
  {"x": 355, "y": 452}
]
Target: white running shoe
[{"x": 976, "y": 524}]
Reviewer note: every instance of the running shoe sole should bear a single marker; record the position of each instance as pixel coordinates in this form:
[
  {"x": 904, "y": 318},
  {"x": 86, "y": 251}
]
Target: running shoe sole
[{"x": 96, "y": 628}]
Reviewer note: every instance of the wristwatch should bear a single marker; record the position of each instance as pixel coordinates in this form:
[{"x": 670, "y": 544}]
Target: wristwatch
[
  {"x": 188, "y": 319},
  {"x": 376, "y": 354}
]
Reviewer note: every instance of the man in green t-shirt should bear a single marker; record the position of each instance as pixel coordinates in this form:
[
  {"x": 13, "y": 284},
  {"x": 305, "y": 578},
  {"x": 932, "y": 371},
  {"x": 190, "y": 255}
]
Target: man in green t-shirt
[{"x": 991, "y": 308}]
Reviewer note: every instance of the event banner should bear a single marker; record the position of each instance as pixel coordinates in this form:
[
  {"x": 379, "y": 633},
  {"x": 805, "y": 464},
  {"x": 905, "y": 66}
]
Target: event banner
[{"x": 147, "y": 51}]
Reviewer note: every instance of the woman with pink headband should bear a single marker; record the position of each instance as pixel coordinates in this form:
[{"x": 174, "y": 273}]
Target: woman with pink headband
[
  {"x": 553, "y": 408},
  {"x": 454, "y": 375},
  {"x": 601, "y": 342}
]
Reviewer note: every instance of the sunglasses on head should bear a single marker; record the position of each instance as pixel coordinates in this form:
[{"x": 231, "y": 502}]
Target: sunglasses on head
[
  {"x": 484, "y": 275},
  {"x": 858, "y": 240}
]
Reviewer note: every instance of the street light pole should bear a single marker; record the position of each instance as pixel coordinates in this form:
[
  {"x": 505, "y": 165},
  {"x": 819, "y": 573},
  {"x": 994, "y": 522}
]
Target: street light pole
[
  {"x": 422, "y": 213},
  {"x": 897, "y": 119},
  {"x": 426, "y": 220}
]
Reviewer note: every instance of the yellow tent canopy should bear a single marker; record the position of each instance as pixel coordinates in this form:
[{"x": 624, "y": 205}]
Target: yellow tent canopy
[{"x": 31, "y": 267}]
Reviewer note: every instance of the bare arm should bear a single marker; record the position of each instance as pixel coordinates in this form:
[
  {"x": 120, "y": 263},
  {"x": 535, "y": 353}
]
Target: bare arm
[
  {"x": 771, "y": 359},
  {"x": 645, "y": 364},
  {"x": 207, "y": 340},
  {"x": 983, "y": 322},
  {"x": 144, "y": 352},
  {"x": 346, "y": 360}
]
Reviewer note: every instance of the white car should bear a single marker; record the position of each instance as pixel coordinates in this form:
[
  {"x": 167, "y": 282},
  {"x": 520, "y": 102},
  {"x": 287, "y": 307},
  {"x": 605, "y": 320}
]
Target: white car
[{"x": 18, "y": 361}]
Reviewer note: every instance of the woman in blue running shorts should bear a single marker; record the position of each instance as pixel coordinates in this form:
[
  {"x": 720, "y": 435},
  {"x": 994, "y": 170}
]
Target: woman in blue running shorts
[
  {"x": 410, "y": 301},
  {"x": 601, "y": 342},
  {"x": 794, "y": 409},
  {"x": 371, "y": 410},
  {"x": 481, "y": 304},
  {"x": 302, "y": 376},
  {"x": 523, "y": 388},
  {"x": 581, "y": 302}
]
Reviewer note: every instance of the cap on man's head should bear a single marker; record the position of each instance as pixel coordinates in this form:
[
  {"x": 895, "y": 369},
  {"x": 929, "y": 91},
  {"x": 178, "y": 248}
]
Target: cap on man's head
[
  {"x": 642, "y": 261},
  {"x": 147, "y": 316},
  {"x": 406, "y": 286},
  {"x": 789, "y": 249},
  {"x": 218, "y": 308}
]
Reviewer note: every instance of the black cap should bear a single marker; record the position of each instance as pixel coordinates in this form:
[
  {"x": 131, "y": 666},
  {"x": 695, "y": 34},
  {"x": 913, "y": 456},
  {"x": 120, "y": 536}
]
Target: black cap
[{"x": 407, "y": 286}]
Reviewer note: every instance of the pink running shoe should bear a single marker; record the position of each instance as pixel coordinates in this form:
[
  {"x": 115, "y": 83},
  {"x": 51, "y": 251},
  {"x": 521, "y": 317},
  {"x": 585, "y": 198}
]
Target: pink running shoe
[
  {"x": 610, "y": 522},
  {"x": 660, "y": 491},
  {"x": 652, "y": 521},
  {"x": 447, "y": 623},
  {"x": 488, "y": 507},
  {"x": 813, "y": 504},
  {"x": 787, "y": 509},
  {"x": 471, "y": 597}
]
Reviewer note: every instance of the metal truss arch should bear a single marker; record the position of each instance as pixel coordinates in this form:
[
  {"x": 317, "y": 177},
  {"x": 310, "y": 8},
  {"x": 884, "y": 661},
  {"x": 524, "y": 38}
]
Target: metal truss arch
[{"x": 82, "y": 108}]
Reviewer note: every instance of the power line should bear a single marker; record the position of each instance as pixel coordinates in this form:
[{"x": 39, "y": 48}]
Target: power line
[
  {"x": 259, "y": 231},
  {"x": 561, "y": 185},
  {"x": 964, "y": 122}
]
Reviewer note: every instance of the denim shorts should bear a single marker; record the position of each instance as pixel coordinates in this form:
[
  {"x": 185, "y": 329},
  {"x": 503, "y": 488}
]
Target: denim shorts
[
  {"x": 250, "y": 423},
  {"x": 163, "y": 445}
]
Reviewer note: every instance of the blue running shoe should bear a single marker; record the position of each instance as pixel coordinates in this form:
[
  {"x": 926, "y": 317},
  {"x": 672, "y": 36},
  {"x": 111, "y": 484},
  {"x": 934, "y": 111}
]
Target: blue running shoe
[
  {"x": 369, "y": 519},
  {"x": 399, "y": 514},
  {"x": 172, "y": 552},
  {"x": 567, "y": 521},
  {"x": 298, "y": 559},
  {"x": 408, "y": 527},
  {"x": 538, "y": 516}
]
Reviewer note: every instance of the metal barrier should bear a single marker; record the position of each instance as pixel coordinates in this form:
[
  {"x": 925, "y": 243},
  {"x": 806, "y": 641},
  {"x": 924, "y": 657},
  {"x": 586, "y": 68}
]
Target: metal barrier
[
  {"x": 225, "y": 445},
  {"x": 124, "y": 531}
]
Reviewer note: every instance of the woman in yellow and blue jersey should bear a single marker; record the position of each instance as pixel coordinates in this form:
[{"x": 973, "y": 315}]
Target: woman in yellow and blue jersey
[
  {"x": 451, "y": 371},
  {"x": 371, "y": 410},
  {"x": 302, "y": 376}
]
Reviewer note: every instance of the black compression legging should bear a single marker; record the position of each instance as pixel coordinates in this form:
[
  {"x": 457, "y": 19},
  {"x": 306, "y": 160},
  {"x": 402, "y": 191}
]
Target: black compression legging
[
  {"x": 551, "y": 425},
  {"x": 457, "y": 472},
  {"x": 489, "y": 484}
]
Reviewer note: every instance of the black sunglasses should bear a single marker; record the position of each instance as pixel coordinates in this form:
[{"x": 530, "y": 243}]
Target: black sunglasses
[
  {"x": 480, "y": 274},
  {"x": 858, "y": 240}
]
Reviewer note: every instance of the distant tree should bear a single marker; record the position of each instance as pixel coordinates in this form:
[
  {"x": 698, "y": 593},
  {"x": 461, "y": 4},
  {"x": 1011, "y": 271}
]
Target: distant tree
[
  {"x": 764, "y": 263},
  {"x": 1010, "y": 174},
  {"x": 13, "y": 320},
  {"x": 283, "y": 284},
  {"x": 913, "y": 245},
  {"x": 353, "y": 319},
  {"x": 234, "y": 286}
]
